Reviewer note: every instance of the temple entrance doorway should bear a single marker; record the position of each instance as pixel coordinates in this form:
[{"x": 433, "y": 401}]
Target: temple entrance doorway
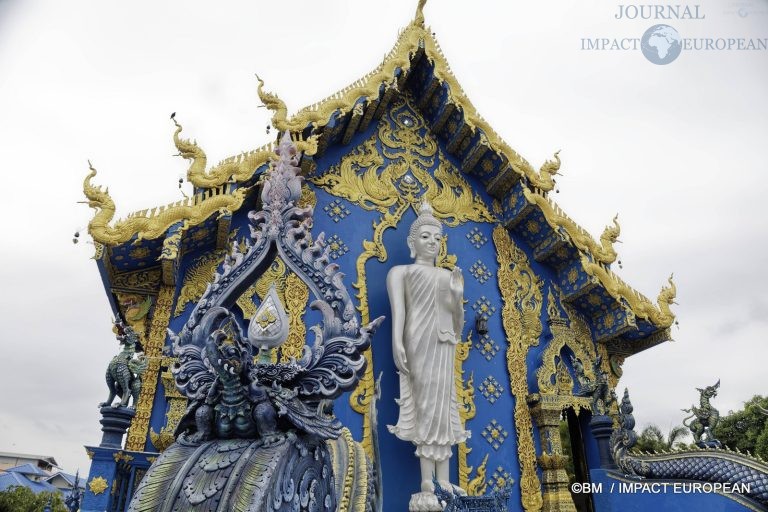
[{"x": 573, "y": 447}]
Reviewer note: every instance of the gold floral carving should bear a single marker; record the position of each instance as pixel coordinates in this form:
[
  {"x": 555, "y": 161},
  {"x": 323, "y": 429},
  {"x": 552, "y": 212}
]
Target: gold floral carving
[
  {"x": 661, "y": 315},
  {"x": 575, "y": 335},
  {"x": 150, "y": 224},
  {"x": 238, "y": 168},
  {"x": 98, "y": 485},
  {"x": 296, "y": 296},
  {"x": 170, "y": 254},
  {"x": 615, "y": 372},
  {"x": 153, "y": 348},
  {"x": 521, "y": 294},
  {"x": 363, "y": 178},
  {"x": 118, "y": 456},
  {"x": 465, "y": 394},
  {"x": 559, "y": 221},
  {"x": 308, "y": 197},
  {"x": 134, "y": 308},
  {"x": 197, "y": 278},
  {"x": 563, "y": 379},
  {"x": 177, "y": 406},
  {"x": 353, "y": 465},
  {"x": 275, "y": 274},
  {"x": 137, "y": 281}
]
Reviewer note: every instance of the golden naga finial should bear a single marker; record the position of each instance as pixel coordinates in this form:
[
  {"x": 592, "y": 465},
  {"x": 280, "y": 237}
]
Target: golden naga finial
[
  {"x": 611, "y": 233},
  {"x": 607, "y": 239},
  {"x": 667, "y": 297},
  {"x": 99, "y": 200},
  {"x": 419, "y": 17},
  {"x": 662, "y": 316},
  {"x": 275, "y": 104},
  {"x": 549, "y": 169},
  {"x": 189, "y": 150}
]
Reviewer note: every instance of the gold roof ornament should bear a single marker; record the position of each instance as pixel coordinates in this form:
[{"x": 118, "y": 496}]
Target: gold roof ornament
[
  {"x": 581, "y": 239},
  {"x": 218, "y": 186},
  {"x": 242, "y": 167},
  {"x": 419, "y": 16},
  {"x": 273, "y": 102},
  {"x": 659, "y": 314},
  {"x": 150, "y": 224}
]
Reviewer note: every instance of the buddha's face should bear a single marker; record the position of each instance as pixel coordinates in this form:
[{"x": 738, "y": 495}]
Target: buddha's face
[{"x": 427, "y": 242}]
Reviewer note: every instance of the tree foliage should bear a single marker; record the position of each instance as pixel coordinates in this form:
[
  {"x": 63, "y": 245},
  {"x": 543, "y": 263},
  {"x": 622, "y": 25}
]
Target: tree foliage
[
  {"x": 565, "y": 441},
  {"x": 652, "y": 440},
  {"x": 22, "y": 499},
  {"x": 746, "y": 429}
]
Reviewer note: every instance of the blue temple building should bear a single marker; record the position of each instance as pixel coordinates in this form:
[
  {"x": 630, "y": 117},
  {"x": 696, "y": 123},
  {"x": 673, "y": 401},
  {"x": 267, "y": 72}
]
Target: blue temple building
[{"x": 547, "y": 319}]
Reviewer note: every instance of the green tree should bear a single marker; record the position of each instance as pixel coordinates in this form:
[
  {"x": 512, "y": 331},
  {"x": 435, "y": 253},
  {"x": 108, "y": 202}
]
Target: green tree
[
  {"x": 565, "y": 441},
  {"x": 652, "y": 440},
  {"x": 22, "y": 499},
  {"x": 746, "y": 429}
]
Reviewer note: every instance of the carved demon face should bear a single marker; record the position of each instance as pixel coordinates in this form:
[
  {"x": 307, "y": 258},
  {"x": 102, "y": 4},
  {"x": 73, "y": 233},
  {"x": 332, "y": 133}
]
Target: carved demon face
[
  {"x": 224, "y": 356},
  {"x": 709, "y": 391}
]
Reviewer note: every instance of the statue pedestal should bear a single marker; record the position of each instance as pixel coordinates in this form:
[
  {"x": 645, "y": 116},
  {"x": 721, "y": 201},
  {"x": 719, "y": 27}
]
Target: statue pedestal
[
  {"x": 424, "y": 502},
  {"x": 602, "y": 428},
  {"x": 114, "y": 423}
]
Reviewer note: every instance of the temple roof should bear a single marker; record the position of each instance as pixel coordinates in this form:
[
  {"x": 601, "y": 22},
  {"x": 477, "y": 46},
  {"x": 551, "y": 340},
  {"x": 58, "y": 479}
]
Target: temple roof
[
  {"x": 9, "y": 480},
  {"x": 28, "y": 469},
  {"x": 417, "y": 67}
]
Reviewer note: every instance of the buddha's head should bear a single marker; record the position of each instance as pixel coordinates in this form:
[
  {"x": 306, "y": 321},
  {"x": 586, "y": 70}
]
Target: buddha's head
[{"x": 425, "y": 235}]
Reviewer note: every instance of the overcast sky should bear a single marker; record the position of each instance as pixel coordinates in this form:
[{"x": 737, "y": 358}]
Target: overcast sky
[{"x": 677, "y": 150}]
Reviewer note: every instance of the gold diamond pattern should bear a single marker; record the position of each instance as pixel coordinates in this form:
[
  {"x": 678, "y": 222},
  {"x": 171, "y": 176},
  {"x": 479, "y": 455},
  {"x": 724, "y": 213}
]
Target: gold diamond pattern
[
  {"x": 495, "y": 434},
  {"x": 336, "y": 210},
  {"x": 477, "y": 238},
  {"x": 491, "y": 389},
  {"x": 336, "y": 247},
  {"x": 500, "y": 479},
  {"x": 483, "y": 307},
  {"x": 487, "y": 347},
  {"x": 480, "y": 272}
]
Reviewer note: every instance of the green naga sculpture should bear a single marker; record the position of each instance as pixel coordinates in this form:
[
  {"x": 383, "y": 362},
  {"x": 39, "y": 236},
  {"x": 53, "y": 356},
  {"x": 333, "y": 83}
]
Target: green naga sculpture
[
  {"x": 126, "y": 368},
  {"x": 704, "y": 418}
]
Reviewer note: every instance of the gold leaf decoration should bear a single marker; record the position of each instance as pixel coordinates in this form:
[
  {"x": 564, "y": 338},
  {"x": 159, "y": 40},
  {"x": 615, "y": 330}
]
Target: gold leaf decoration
[
  {"x": 465, "y": 395},
  {"x": 362, "y": 178},
  {"x": 98, "y": 485},
  {"x": 521, "y": 294},
  {"x": 296, "y": 296},
  {"x": 274, "y": 274},
  {"x": 197, "y": 278},
  {"x": 153, "y": 348}
]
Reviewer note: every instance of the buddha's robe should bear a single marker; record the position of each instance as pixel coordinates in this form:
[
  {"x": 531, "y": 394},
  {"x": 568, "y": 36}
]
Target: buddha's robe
[{"x": 429, "y": 415}]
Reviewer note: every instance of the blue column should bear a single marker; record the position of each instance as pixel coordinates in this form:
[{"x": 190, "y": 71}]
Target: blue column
[
  {"x": 602, "y": 428},
  {"x": 98, "y": 488}
]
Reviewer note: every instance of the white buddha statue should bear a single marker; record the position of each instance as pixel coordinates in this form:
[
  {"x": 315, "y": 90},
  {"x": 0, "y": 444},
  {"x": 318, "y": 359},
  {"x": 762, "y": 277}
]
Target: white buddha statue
[{"x": 427, "y": 320}]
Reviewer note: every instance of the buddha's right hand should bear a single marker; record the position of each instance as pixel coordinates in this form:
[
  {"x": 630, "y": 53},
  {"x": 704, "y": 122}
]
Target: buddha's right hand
[{"x": 400, "y": 360}]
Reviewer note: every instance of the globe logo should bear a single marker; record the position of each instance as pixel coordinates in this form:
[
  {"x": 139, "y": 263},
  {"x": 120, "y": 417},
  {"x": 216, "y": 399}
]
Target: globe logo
[{"x": 661, "y": 44}]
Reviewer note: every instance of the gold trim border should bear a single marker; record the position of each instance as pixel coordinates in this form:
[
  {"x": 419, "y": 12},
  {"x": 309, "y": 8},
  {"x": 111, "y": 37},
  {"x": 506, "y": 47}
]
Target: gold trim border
[
  {"x": 521, "y": 318},
  {"x": 137, "y": 434}
]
